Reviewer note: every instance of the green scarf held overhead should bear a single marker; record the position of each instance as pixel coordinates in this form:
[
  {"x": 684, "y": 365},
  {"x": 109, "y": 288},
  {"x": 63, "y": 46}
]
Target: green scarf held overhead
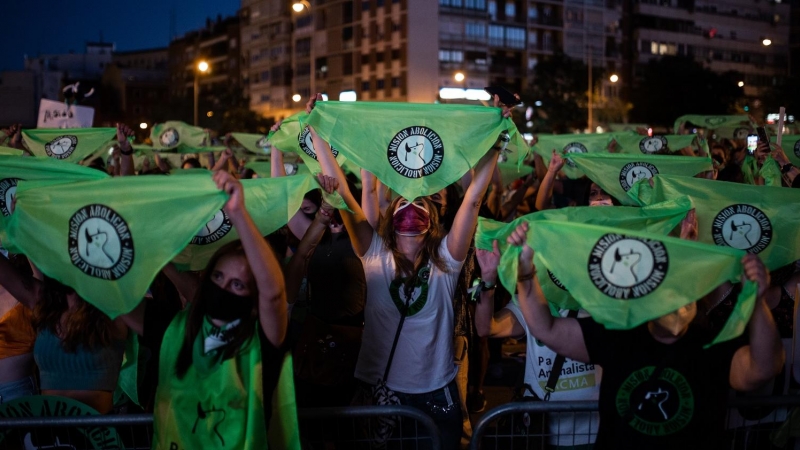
[
  {"x": 254, "y": 143},
  {"x": 294, "y": 136},
  {"x": 625, "y": 278},
  {"x": 769, "y": 171},
  {"x": 14, "y": 169},
  {"x": 195, "y": 412},
  {"x": 713, "y": 122},
  {"x": 617, "y": 173},
  {"x": 68, "y": 144},
  {"x": 415, "y": 149},
  {"x": 271, "y": 202},
  {"x": 564, "y": 144},
  {"x": 791, "y": 147},
  {"x": 108, "y": 239},
  {"x": 757, "y": 219},
  {"x": 660, "y": 219},
  {"x": 8, "y": 151},
  {"x": 512, "y": 172},
  {"x": 173, "y": 134},
  {"x": 649, "y": 145},
  {"x": 264, "y": 168}
]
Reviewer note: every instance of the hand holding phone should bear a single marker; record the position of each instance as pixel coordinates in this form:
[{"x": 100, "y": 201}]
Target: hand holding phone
[
  {"x": 752, "y": 143},
  {"x": 506, "y": 97}
]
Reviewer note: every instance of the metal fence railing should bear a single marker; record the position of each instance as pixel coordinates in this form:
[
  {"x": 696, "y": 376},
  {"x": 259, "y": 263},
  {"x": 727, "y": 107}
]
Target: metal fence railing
[{"x": 752, "y": 423}]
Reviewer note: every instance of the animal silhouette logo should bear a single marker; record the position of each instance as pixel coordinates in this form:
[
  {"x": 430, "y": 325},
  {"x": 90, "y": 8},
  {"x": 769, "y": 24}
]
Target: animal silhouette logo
[
  {"x": 627, "y": 267},
  {"x": 215, "y": 415},
  {"x": 169, "y": 138},
  {"x": 415, "y": 152},
  {"x": 634, "y": 172},
  {"x": 652, "y": 144},
  {"x": 100, "y": 242},
  {"x": 61, "y": 147},
  {"x": 574, "y": 147},
  {"x": 8, "y": 195},
  {"x": 213, "y": 230},
  {"x": 743, "y": 227},
  {"x": 658, "y": 405},
  {"x": 307, "y": 144},
  {"x": 656, "y": 398}
]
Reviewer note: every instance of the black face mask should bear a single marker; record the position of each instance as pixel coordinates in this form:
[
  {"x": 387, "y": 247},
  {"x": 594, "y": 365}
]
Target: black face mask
[{"x": 224, "y": 305}]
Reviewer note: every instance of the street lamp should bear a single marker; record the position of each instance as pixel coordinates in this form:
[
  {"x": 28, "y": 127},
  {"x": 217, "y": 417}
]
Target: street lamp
[
  {"x": 613, "y": 78},
  {"x": 143, "y": 125},
  {"x": 766, "y": 42},
  {"x": 459, "y": 76},
  {"x": 298, "y": 5},
  {"x": 201, "y": 67},
  {"x": 740, "y": 84},
  {"x": 296, "y": 98}
]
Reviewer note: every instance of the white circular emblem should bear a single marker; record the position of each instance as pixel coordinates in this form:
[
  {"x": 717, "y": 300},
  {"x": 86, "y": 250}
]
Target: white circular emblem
[
  {"x": 742, "y": 226},
  {"x": 652, "y": 144},
  {"x": 61, "y": 147},
  {"x": 555, "y": 280},
  {"x": 416, "y": 152},
  {"x": 574, "y": 147},
  {"x": 263, "y": 144},
  {"x": 714, "y": 121},
  {"x": 8, "y": 191},
  {"x": 169, "y": 138},
  {"x": 307, "y": 145},
  {"x": 100, "y": 242},
  {"x": 741, "y": 133},
  {"x": 635, "y": 171},
  {"x": 214, "y": 230},
  {"x": 626, "y": 267}
]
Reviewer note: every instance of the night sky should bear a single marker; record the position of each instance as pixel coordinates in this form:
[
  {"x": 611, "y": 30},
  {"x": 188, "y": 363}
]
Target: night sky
[{"x": 36, "y": 27}]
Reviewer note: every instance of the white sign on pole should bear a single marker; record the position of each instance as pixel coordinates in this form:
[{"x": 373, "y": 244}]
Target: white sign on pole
[{"x": 60, "y": 115}]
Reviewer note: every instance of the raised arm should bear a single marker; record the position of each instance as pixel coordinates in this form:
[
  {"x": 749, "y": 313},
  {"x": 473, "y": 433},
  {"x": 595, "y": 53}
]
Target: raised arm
[
  {"x": 504, "y": 323},
  {"x": 265, "y": 267},
  {"x": 369, "y": 198},
  {"x": 358, "y": 227},
  {"x": 763, "y": 358},
  {"x": 561, "y": 334},
  {"x": 545, "y": 195},
  {"x": 25, "y": 289},
  {"x": 126, "y": 166},
  {"x": 186, "y": 283}
]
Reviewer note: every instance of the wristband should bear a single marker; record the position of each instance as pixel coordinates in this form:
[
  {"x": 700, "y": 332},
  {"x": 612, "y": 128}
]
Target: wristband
[
  {"x": 786, "y": 168},
  {"x": 526, "y": 277},
  {"x": 128, "y": 153}
]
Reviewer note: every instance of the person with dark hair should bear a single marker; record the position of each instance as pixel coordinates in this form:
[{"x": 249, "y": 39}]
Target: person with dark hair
[
  {"x": 229, "y": 338},
  {"x": 191, "y": 163},
  {"x": 411, "y": 267}
]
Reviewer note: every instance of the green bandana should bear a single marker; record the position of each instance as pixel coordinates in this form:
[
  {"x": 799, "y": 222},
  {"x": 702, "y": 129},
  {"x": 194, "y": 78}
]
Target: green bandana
[
  {"x": 254, "y": 143},
  {"x": 649, "y": 145},
  {"x": 565, "y": 144},
  {"x": 713, "y": 122},
  {"x": 295, "y": 137},
  {"x": 70, "y": 144},
  {"x": 173, "y": 134}
]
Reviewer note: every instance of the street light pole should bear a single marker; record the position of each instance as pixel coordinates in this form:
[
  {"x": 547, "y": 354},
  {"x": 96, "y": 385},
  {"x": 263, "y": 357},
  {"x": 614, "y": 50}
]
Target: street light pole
[
  {"x": 590, "y": 88},
  {"x": 200, "y": 67}
]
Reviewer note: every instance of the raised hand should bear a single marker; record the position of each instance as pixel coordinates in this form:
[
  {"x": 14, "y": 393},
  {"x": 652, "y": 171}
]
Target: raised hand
[
  {"x": 488, "y": 261},
  {"x": 556, "y": 162},
  {"x": 328, "y": 184},
  {"x": 689, "y": 226},
  {"x": 228, "y": 183},
  {"x": 754, "y": 270},
  {"x": 519, "y": 238},
  {"x": 506, "y": 109},
  {"x": 312, "y": 102}
]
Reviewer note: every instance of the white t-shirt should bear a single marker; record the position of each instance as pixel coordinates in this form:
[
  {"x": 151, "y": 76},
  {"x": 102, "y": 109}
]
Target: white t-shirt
[
  {"x": 423, "y": 360},
  {"x": 578, "y": 381}
]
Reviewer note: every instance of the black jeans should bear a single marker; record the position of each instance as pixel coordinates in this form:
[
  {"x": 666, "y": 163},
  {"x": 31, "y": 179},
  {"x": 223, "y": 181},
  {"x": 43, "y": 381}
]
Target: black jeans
[{"x": 443, "y": 406}]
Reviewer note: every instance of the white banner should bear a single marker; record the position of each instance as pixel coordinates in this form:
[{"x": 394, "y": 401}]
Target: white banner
[{"x": 60, "y": 115}]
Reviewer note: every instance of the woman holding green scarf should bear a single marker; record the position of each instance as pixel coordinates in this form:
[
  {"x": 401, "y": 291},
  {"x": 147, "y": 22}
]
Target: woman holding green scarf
[{"x": 211, "y": 388}]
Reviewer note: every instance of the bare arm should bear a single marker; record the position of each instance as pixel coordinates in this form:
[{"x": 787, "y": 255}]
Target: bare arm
[
  {"x": 504, "y": 323},
  {"x": 27, "y": 290},
  {"x": 126, "y": 167},
  {"x": 545, "y": 195},
  {"x": 369, "y": 198},
  {"x": 162, "y": 165},
  {"x": 222, "y": 162},
  {"x": 358, "y": 227},
  {"x": 466, "y": 219},
  {"x": 561, "y": 334},
  {"x": 761, "y": 360},
  {"x": 493, "y": 200}
]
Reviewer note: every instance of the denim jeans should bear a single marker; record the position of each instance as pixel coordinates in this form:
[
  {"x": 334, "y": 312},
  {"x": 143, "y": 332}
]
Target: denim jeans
[
  {"x": 444, "y": 407},
  {"x": 15, "y": 389}
]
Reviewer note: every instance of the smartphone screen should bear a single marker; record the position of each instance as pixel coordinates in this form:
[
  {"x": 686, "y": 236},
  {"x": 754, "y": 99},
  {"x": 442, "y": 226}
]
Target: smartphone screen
[{"x": 752, "y": 143}]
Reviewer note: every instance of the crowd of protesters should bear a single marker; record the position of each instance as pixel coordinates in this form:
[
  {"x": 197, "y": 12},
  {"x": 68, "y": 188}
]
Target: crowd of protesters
[{"x": 344, "y": 280}]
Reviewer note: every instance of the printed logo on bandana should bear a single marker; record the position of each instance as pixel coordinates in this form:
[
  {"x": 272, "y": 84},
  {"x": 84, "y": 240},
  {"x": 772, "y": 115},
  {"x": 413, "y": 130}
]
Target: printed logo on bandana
[
  {"x": 574, "y": 147},
  {"x": 61, "y": 147},
  {"x": 307, "y": 145},
  {"x": 100, "y": 242},
  {"x": 555, "y": 280},
  {"x": 212, "y": 415},
  {"x": 650, "y": 145},
  {"x": 8, "y": 192},
  {"x": 416, "y": 152},
  {"x": 169, "y": 138},
  {"x": 659, "y": 408},
  {"x": 624, "y": 267},
  {"x": 797, "y": 148},
  {"x": 741, "y": 133},
  {"x": 263, "y": 143},
  {"x": 635, "y": 171},
  {"x": 214, "y": 230},
  {"x": 742, "y": 226},
  {"x": 714, "y": 121}
]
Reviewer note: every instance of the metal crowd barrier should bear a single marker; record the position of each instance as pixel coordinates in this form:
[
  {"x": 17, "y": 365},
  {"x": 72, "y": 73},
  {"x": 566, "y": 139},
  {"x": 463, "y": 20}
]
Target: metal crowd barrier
[
  {"x": 751, "y": 423},
  {"x": 328, "y": 428}
]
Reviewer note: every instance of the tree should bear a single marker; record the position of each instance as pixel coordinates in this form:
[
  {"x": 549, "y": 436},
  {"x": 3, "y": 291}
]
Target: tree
[
  {"x": 672, "y": 86},
  {"x": 558, "y": 93}
]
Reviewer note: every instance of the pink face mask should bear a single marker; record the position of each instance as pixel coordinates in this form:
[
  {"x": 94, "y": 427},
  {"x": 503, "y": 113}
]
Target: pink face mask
[{"x": 411, "y": 220}]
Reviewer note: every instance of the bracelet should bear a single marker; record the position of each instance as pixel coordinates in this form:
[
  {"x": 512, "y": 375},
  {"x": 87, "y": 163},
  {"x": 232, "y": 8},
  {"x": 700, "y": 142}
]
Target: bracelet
[
  {"x": 128, "y": 153},
  {"x": 487, "y": 286},
  {"x": 526, "y": 277}
]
